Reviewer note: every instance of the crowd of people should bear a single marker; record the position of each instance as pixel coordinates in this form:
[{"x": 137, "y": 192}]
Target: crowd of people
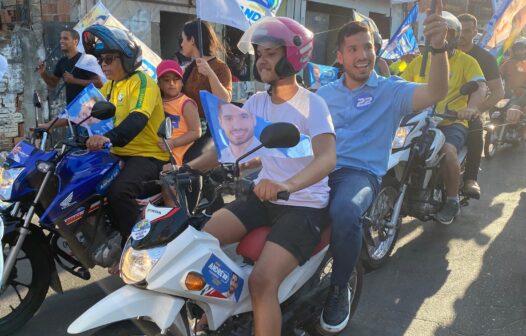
[{"x": 351, "y": 123}]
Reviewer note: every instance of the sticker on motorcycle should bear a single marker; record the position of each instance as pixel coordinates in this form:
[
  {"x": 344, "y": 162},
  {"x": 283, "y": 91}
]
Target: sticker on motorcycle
[
  {"x": 68, "y": 201},
  {"x": 141, "y": 229},
  {"x": 21, "y": 152},
  {"x": 221, "y": 281}
]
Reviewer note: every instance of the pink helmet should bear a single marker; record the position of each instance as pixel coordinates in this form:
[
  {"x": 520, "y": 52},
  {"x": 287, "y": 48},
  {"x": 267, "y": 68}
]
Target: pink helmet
[{"x": 280, "y": 31}]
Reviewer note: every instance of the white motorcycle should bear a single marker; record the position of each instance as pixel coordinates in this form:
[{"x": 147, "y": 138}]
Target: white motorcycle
[
  {"x": 175, "y": 273},
  {"x": 413, "y": 185}
]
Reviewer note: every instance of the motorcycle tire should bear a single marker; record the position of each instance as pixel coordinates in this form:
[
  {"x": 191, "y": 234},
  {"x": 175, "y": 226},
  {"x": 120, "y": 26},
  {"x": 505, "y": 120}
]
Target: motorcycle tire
[
  {"x": 375, "y": 256},
  {"x": 490, "y": 144},
  {"x": 131, "y": 328},
  {"x": 36, "y": 289}
]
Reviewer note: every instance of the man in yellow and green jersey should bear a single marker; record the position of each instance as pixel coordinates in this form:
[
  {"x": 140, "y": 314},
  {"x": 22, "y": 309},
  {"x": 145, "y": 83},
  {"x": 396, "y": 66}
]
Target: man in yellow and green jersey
[
  {"x": 463, "y": 69},
  {"x": 139, "y": 112}
]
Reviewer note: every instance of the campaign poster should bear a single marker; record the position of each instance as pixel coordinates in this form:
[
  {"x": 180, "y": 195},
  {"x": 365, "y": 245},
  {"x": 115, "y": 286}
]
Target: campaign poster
[
  {"x": 80, "y": 108},
  {"x": 320, "y": 75},
  {"x": 236, "y": 131},
  {"x": 221, "y": 281}
]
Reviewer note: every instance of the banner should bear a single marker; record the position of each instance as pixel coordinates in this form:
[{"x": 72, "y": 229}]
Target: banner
[
  {"x": 502, "y": 24},
  {"x": 239, "y": 14},
  {"x": 99, "y": 14},
  {"x": 320, "y": 75},
  {"x": 518, "y": 23},
  {"x": 404, "y": 40},
  {"x": 236, "y": 131},
  {"x": 80, "y": 108}
]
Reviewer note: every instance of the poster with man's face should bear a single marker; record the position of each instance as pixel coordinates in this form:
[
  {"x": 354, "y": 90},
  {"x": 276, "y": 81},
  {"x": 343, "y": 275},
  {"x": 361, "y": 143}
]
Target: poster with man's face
[
  {"x": 236, "y": 131},
  {"x": 80, "y": 108},
  {"x": 320, "y": 75}
]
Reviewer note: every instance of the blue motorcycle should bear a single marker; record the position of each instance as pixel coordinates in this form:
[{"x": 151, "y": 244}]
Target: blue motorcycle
[{"x": 65, "y": 187}]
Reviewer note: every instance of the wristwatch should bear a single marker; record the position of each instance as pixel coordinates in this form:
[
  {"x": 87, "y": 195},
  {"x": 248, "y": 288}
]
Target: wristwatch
[{"x": 438, "y": 50}]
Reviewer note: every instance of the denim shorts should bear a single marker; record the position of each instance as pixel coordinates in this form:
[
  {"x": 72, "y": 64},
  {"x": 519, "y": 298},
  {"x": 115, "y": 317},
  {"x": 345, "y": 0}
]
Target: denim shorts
[{"x": 455, "y": 134}]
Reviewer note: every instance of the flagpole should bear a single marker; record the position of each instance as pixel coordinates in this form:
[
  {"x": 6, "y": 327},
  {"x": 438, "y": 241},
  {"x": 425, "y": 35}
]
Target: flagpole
[
  {"x": 200, "y": 37},
  {"x": 428, "y": 45}
]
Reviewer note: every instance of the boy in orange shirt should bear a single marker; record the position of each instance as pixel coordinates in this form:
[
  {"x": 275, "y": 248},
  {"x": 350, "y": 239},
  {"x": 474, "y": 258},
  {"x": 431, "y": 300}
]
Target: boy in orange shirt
[{"x": 181, "y": 109}]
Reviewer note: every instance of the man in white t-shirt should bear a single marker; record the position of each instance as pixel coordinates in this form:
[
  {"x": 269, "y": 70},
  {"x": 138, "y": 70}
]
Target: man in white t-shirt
[{"x": 283, "y": 47}]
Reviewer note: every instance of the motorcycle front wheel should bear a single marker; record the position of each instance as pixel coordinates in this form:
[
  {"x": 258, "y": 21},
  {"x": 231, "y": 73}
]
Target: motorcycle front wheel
[
  {"x": 378, "y": 243},
  {"x": 490, "y": 144},
  {"x": 26, "y": 286}
]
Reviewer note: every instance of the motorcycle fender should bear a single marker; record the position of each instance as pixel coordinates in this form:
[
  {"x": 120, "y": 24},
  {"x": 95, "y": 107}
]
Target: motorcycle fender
[
  {"x": 54, "y": 278},
  {"x": 130, "y": 302}
]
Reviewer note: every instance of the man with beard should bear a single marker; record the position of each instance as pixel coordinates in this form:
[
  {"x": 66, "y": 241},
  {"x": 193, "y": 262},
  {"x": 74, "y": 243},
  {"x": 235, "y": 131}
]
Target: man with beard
[
  {"x": 366, "y": 110},
  {"x": 75, "y": 78},
  {"x": 489, "y": 67},
  {"x": 238, "y": 126}
]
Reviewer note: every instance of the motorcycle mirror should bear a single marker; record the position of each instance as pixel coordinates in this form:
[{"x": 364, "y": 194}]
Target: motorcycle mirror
[
  {"x": 469, "y": 88},
  {"x": 280, "y": 135},
  {"x": 165, "y": 129},
  {"x": 103, "y": 110}
]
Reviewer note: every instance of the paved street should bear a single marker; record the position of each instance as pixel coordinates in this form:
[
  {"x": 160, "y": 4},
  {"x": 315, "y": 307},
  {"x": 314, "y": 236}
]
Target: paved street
[{"x": 466, "y": 279}]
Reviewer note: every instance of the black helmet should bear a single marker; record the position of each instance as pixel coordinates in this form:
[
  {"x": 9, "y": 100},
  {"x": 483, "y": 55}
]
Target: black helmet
[{"x": 98, "y": 39}]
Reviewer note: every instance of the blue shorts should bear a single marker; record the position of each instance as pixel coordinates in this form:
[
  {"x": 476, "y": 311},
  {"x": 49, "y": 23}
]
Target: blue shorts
[{"x": 455, "y": 134}]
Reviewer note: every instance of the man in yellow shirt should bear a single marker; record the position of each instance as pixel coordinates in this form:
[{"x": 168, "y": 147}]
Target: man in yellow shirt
[
  {"x": 463, "y": 68},
  {"x": 139, "y": 112}
]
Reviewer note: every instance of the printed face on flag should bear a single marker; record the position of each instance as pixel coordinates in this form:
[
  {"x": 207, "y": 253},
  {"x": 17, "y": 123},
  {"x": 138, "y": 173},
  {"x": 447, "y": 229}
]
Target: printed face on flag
[
  {"x": 320, "y": 75},
  {"x": 80, "y": 108},
  {"x": 236, "y": 131}
]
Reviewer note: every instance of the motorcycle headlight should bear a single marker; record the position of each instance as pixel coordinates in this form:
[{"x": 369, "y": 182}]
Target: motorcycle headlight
[
  {"x": 136, "y": 264},
  {"x": 7, "y": 179},
  {"x": 495, "y": 115},
  {"x": 502, "y": 103},
  {"x": 400, "y": 136}
]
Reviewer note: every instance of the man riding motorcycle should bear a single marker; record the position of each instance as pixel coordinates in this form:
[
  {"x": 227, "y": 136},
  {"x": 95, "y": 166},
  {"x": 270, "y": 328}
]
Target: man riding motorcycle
[
  {"x": 139, "y": 112},
  {"x": 463, "y": 68},
  {"x": 366, "y": 109},
  {"x": 513, "y": 71}
]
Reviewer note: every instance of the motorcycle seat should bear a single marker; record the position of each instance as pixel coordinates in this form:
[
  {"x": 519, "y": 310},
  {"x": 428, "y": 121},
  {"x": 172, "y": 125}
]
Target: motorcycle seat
[{"x": 252, "y": 243}]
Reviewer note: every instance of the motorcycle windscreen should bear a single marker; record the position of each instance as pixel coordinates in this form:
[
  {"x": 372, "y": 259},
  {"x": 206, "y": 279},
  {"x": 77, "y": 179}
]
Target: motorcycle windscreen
[{"x": 159, "y": 226}]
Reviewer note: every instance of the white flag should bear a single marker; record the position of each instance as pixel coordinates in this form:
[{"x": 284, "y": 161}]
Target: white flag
[
  {"x": 227, "y": 12},
  {"x": 89, "y": 63},
  {"x": 3, "y": 66}
]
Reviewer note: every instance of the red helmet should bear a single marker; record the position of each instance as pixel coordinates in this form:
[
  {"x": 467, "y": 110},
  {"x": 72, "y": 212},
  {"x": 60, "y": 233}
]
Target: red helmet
[{"x": 280, "y": 31}]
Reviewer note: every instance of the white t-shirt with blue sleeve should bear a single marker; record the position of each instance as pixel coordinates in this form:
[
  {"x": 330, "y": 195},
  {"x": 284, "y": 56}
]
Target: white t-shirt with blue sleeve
[{"x": 310, "y": 114}]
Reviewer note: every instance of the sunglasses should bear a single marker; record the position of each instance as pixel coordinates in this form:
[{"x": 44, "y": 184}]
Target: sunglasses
[{"x": 108, "y": 59}]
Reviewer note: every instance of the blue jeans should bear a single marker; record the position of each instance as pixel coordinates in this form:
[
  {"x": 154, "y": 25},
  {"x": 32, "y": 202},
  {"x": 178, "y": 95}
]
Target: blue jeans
[{"x": 352, "y": 193}]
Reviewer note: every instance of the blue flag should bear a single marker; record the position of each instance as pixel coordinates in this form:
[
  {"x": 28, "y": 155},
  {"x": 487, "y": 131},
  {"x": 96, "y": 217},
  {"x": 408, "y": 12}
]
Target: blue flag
[
  {"x": 404, "y": 40},
  {"x": 80, "y": 108},
  {"x": 236, "y": 131},
  {"x": 320, "y": 75}
]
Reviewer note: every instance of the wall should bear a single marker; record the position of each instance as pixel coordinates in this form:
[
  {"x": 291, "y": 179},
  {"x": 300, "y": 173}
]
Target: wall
[{"x": 20, "y": 45}]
